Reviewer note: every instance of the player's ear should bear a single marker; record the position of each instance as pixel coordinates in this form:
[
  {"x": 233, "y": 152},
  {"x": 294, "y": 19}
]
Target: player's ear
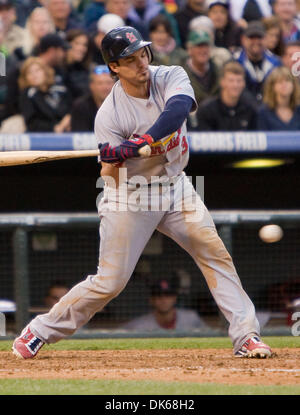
[{"x": 114, "y": 66}]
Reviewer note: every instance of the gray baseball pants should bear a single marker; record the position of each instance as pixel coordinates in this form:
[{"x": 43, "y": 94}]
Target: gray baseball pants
[{"x": 123, "y": 236}]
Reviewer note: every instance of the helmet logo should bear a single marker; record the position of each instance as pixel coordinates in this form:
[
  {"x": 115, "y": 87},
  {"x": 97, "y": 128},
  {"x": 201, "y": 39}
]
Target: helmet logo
[{"x": 130, "y": 36}]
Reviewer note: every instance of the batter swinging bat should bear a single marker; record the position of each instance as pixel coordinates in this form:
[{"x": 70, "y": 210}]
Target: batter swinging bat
[{"x": 16, "y": 158}]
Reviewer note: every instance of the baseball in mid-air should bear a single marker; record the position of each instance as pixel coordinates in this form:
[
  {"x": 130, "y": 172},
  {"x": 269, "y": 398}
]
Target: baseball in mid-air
[{"x": 270, "y": 233}]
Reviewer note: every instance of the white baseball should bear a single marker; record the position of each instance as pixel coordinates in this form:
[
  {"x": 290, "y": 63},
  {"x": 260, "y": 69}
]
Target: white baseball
[{"x": 270, "y": 233}]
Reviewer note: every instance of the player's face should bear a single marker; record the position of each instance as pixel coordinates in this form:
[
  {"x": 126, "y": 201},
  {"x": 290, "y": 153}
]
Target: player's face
[
  {"x": 163, "y": 303},
  {"x": 133, "y": 69}
]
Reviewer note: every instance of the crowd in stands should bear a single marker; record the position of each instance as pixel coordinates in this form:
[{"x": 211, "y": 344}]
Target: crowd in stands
[{"x": 242, "y": 57}]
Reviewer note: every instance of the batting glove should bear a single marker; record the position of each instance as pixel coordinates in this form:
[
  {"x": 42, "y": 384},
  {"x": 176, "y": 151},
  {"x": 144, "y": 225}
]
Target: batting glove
[{"x": 128, "y": 149}]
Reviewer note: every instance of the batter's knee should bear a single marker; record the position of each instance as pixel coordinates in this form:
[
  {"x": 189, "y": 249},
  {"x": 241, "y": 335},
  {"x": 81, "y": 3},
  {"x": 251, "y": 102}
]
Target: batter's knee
[{"x": 109, "y": 285}]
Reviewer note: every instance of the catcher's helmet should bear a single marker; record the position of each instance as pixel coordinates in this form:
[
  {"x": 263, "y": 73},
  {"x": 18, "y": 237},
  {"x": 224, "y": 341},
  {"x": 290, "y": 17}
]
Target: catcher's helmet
[{"x": 122, "y": 42}]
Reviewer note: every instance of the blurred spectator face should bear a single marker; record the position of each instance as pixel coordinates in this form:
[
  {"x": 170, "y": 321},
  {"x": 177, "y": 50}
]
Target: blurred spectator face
[
  {"x": 139, "y": 4},
  {"x": 163, "y": 304},
  {"x": 232, "y": 84},
  {"x": 79, "y": 48},
  {"x": 119, "y": 7},
  {"x": 254, "y": 46},
  {"x": 35, "y": 75},
  {"x": 272, "y": 38},
  {"x": 54, "y": 295},
  {"x": 283, "y": 88},
  {"x": 285, "y": 9},
  {"x": 160, "y": 36},
  {"x": 292, "y": 51},
  {"x": 196, "y": 5},
  {"x": 101, "y": 85},
  {"x": 40, "y": 23},
  {"x": 59, "y": 9},
  {"x": 200, "y": 54},
  {"x": 8, "y": 16},
  {"x": 219, "y": 16}
]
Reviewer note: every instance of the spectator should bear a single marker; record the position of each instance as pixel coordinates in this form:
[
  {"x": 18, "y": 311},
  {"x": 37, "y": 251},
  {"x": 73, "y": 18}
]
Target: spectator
[
  {"x": 142, "y": 11},
  {"x": 281, "y": 111},
  {"x": 227, "y": 32},
  {"x": 52, "y": 51},
  {"x": 274, "y": 38},
  {"x": 164, "y": 49},
  {"x": 121, "y": 8},
  {"x": 25, "y": 7},
  {"x": 13, "y": 33},
  {"x": 61, "y": 13},
  {"x": 85, "y": 108},
  {"x": 38, "y": 24},
  {"x": 104, "y": 25},
  {"x": 286, "y": 11},
  {"x": 201, "y": 24},
  {"x": 165, "y": 315},
  {"x": 232, "y": 109},
  {"x": 191, "y": 9},
  {"x": 54, "y": 293},
  {"x": 92, "y": 13},
  {"x": 291, "y": 58},
  {"x": 256, "y": 59},
  {"x": 245, "y": 11},
  {"x": 202, "y": 71},
  {"x": 78, "y": 61},
  {"x": 44, "y": 105}
]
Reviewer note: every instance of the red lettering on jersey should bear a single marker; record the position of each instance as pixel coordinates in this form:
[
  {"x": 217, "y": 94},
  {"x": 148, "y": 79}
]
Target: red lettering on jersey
[
  {"x": 184, "y": 145},
  {"x": 130, "y": 36}
]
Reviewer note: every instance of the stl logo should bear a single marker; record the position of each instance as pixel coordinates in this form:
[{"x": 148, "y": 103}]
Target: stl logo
[{"x": 130, "y": 36}]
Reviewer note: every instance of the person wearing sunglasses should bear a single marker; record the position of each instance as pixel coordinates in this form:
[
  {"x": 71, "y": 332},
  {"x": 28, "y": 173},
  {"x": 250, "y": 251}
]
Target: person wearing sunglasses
[{"x": 85, "y": 108}]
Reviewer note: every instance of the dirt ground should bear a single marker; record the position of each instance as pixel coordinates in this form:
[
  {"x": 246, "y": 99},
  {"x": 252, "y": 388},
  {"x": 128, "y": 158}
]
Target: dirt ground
[{"x": 190, "y": 365}]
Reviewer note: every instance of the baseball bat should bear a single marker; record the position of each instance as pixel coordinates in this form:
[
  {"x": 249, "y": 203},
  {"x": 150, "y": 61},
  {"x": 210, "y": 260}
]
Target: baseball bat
[{"x": 16, "y": 158}]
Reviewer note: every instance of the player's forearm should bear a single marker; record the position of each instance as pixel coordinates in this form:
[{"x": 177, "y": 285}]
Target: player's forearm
[{"x": 176, "y": 111}]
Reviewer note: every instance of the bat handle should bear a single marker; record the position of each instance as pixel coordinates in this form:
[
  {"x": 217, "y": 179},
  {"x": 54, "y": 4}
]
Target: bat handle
[{"x": 145, "y": 151}]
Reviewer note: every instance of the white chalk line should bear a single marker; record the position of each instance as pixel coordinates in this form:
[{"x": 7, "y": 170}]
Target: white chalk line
[{"x": 187, "y": 369}]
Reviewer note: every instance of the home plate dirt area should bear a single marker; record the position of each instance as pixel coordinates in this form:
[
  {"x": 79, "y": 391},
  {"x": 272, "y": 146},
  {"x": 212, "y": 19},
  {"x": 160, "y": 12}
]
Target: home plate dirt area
[{"x": 188, "y": 365}]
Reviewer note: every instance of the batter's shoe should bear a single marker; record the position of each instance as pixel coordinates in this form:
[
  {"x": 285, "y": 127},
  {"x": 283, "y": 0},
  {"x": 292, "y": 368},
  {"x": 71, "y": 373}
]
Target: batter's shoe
[
  {"x": 27, "y": 345},
  {"x": 254, "y": 347}
]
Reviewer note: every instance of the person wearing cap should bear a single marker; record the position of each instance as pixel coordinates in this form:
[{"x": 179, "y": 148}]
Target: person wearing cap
[
  {"x": 226, "y": 32},
  {"x": 85, "y": 108},
  {"x": 184, "y": 15},
  {"x": 52, "y": 51},
  {"x": 164, "y": 314},
  {"x": 13, "y": 33},
  {"x": 201, "y": 69},
  {"x": 105, "y": 24},
  {"x": 233, "y": 109},
  {"x": 256, "y": 59},
  {"x": 286, "y": 11}
]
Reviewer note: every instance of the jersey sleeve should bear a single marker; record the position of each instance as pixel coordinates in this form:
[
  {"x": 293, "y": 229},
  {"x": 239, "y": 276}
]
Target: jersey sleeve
[
  {"x": 178, "y": 83},
  {"x": 107, "y": 129}
]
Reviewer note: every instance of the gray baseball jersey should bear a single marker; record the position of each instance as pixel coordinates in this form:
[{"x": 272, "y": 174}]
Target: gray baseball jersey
[{"x": 122, "y": 116}]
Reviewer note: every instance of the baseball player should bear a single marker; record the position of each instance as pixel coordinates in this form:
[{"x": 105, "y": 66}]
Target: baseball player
[{"x": 147, "y": 106}]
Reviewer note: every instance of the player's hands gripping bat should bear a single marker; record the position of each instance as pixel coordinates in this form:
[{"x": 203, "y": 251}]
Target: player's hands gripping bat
[{"x": 134, "y": 147}]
